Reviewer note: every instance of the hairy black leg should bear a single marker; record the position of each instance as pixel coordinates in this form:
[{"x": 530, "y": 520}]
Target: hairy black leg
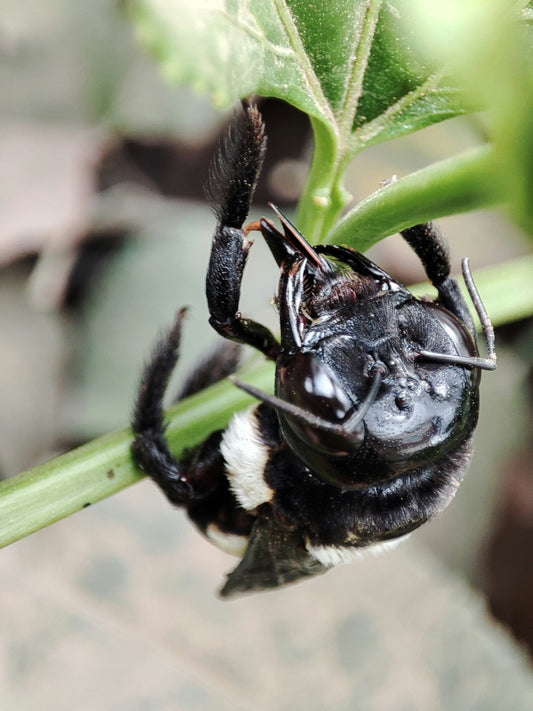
[
  {"x": 223, "y": 287},
  {"x": 217, "y": 366},
  {"x": 201, "y": 469},
  {"x": 232, "y": 180},
  {"x": 197, "y": 481},
  {"x": 431, "y": 247},
  {"x": 150, "y": 447}
]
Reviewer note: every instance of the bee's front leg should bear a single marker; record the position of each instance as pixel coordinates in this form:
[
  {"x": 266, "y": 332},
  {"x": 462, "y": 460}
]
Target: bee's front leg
[{"x": 231, "y": 185}]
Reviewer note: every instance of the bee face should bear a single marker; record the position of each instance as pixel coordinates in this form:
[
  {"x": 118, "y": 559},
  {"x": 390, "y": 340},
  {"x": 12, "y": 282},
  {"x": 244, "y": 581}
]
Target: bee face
[{"x": 341, "y": 330}]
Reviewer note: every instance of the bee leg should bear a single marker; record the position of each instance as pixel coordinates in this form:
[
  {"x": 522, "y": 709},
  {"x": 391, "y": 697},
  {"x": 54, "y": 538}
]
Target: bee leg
[
  {"x": 223, "y": 287},
  {"x": 431, "y": 247},
  {"x": 197, "y": 480},
  {"x": 231, "y": 184},
  {"x": 150, "y": 448},
  {"x": 219, "y": 365}
]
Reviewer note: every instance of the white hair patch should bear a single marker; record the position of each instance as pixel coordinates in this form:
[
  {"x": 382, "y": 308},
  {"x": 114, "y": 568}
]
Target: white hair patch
[
  {"x": 228, "y": 542},
  {"x": 331, "y": 556},
  {"x": 246, "y": 456}
]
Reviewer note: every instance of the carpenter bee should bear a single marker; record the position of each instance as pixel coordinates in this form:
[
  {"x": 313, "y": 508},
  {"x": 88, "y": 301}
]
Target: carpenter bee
[{"x": 369, "y": 431}]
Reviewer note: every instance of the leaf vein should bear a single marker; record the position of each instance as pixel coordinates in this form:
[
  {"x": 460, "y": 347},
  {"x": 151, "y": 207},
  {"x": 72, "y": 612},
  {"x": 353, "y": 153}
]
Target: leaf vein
[
  {"x": 360, "y": 57},
  {"x": 368, "y": 131},
  {"x": 309, "y": 74}
]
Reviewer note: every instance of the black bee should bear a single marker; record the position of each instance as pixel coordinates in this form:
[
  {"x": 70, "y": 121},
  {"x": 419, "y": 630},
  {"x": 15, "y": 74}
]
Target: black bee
[{"x": 376, "y": 398}]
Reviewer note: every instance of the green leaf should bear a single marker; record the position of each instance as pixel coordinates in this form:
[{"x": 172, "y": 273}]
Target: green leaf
[
  {"x": 352, "y": 65},
  {"x": 401, "y": 91},
  {"x": 231, "y": 50},
  {"x": 316, "y": 56}
]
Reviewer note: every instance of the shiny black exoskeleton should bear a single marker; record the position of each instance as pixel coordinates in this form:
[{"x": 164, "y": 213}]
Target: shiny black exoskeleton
[{"x": 376, "y": 397}]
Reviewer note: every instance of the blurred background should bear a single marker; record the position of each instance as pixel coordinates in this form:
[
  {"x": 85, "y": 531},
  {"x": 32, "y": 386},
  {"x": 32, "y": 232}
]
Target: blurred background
[{"x": 103, "y": 234}]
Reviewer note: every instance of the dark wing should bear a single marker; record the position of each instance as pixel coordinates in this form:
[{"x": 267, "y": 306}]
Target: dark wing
[{"x": 274, "y": 557}]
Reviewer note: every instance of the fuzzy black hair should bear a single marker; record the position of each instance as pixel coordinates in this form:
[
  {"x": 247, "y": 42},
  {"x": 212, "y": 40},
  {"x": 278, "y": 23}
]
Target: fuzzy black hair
[{"x": 233, "y": 174}]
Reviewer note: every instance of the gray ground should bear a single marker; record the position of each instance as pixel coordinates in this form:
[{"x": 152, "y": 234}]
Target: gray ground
[{"x": 115, "y": 609}]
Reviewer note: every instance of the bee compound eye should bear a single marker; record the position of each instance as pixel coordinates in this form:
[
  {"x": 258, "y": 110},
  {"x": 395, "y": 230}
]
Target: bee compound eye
[{"x": 306, "y": 382}]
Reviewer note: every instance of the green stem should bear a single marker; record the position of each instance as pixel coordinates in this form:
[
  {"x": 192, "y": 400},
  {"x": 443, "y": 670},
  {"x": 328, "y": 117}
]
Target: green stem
[
  {"x": 319, "y": 201},
  {"x": 51, "y": 491},
  {"x": 458, "y": 184}
]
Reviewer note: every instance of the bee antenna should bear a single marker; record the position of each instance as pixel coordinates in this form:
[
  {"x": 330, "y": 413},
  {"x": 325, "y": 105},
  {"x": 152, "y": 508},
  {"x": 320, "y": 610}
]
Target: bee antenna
[
  {"x": 488, "y": 331},
  {"x": 341, "y": 428}
]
